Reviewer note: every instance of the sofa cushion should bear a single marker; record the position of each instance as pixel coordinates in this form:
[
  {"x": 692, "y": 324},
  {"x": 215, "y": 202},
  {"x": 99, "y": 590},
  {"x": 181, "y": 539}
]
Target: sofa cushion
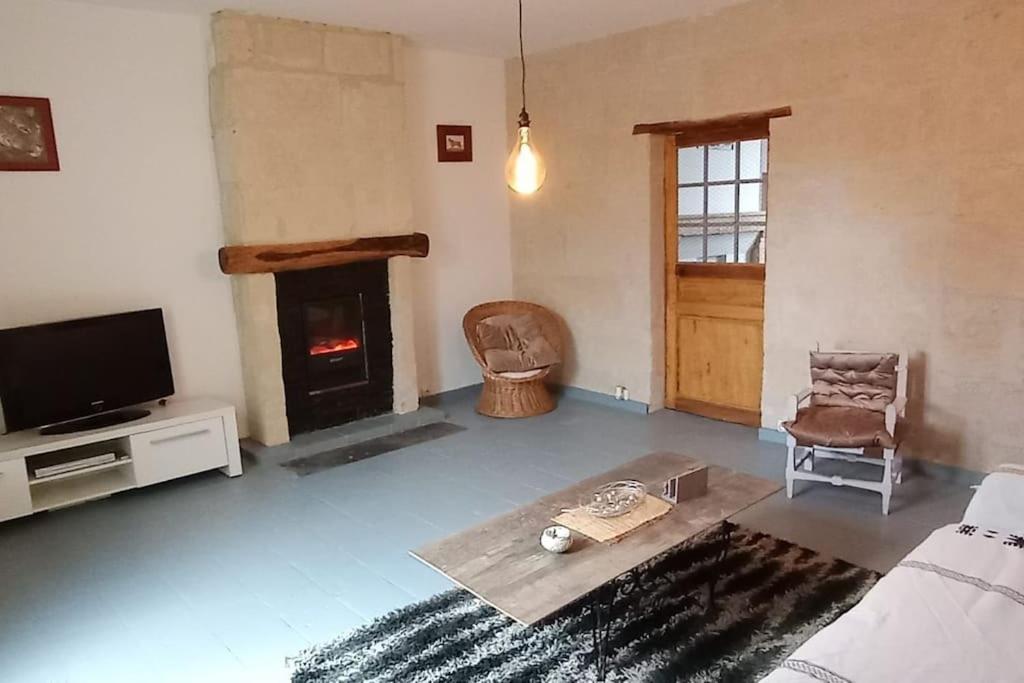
[
  {"x": 514, "y": 343},
  {"x": 840, "y": 427},
  {"x": 853, "y": 380}
]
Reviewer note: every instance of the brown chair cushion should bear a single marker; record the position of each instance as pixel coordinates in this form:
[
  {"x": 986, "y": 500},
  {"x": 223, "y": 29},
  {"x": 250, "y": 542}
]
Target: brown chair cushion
[
  {"x": 853, "y": 380},
  {"x": 840, "y": 427},
  {"x": 514, "y": 343}
]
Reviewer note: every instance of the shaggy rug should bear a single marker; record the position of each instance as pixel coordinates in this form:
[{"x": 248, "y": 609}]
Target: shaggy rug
[{"x": 771, "y": 596}]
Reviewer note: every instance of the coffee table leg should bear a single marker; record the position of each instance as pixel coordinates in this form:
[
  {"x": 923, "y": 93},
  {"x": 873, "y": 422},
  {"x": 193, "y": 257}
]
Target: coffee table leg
[
  {"x": 602, "y": 600},
  {"x": 724, "y": 539},
  {"x": 602, "y": 604}
]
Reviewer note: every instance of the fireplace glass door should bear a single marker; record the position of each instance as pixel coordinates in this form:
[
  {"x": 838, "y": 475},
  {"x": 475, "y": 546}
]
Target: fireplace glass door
[
  {"x": 336, "y": 346},
  {"x": 336, "y": 341}
]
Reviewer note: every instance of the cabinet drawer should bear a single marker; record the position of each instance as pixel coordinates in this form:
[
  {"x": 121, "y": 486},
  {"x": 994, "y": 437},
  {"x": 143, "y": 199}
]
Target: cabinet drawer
[
  {"x": 15, "y": 500},
  {"x": 177, "y": 451}
]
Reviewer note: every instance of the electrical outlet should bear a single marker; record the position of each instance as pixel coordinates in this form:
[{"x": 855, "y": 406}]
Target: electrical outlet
[{"x": 621, "y": 393}]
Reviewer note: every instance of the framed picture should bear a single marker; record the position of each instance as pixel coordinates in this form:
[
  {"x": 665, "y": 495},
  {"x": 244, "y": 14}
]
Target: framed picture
[
  {"x": 27, "y": 142},
  {"x": 455, "y": 143}
]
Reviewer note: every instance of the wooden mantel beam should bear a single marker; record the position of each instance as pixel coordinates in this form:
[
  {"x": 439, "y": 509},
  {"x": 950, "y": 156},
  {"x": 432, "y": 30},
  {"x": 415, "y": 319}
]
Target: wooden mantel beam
[
  {"x": 275, "y": 258},
  {"x": 734, "y": 120}
]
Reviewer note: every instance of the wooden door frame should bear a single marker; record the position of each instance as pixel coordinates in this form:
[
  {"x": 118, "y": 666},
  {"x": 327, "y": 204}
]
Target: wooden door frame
[
  {"x": 674, "y": 269},
  {"x": 670, "y": 255}
]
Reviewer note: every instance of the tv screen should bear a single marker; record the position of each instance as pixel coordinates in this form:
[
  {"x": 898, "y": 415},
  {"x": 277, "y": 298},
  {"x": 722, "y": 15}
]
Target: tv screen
[{"x": 62, "y": 371}]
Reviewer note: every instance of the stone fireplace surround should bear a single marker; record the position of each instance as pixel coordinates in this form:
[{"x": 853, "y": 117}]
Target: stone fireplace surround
[{"x": 309, "y": 134}]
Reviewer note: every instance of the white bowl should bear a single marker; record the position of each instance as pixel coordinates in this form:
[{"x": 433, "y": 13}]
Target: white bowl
[{"x": 556, "y": 539}]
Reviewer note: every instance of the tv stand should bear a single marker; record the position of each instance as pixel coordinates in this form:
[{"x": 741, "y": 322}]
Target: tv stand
[
  {"x": 46, "y": 472},
  {"x": 114, "y": 417}
]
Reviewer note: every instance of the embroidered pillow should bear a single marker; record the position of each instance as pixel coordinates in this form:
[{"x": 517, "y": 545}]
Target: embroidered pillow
[{"x": 998, "y": 504}]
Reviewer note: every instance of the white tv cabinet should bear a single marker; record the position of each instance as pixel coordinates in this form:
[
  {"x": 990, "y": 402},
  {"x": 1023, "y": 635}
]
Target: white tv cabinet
[{"x": 183, "y": 437}]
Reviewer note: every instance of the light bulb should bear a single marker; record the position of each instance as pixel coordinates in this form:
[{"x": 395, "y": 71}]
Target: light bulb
[{"x": 525, "y": 170}]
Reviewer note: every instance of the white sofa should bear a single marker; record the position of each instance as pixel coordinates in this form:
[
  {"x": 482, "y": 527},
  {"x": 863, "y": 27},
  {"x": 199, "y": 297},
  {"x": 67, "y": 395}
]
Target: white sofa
[{"x": 952, "y": 611}]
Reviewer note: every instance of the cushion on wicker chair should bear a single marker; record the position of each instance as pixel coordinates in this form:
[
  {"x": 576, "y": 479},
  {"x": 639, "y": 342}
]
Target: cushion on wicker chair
[
  {"x": 521, "y": 375},
  {"x": 840, "y": 427},
  {"x": 514, "y": 343}
]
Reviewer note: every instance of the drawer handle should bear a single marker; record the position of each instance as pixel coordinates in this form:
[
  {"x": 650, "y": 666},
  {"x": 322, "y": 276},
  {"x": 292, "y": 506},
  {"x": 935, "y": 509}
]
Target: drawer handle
[{"x": 177, "y": 437}]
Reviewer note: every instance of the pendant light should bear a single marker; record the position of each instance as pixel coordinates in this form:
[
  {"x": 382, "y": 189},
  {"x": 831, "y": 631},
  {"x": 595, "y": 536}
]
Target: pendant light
[{"x": 525, "y": 170}]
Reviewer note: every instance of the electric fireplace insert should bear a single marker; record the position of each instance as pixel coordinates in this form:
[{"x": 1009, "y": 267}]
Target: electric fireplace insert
[{"x": 335, "y": 329}]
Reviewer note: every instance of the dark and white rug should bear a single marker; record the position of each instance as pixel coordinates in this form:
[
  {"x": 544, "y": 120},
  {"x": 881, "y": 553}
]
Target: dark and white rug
[{"x": 771, "y": 596}]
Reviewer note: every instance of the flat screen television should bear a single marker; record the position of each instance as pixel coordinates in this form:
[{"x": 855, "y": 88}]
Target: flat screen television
[{"x": 63, "y": 371}]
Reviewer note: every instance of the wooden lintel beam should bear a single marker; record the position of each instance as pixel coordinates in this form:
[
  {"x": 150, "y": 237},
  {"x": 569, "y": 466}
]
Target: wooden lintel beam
[
  {"x": 733, "y": 120},
  {"x": 275, "y": 258}
]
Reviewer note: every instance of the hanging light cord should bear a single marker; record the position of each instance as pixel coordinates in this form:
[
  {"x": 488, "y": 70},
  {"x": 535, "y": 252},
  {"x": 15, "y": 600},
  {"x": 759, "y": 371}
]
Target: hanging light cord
[{"x": 524, "y": 118}]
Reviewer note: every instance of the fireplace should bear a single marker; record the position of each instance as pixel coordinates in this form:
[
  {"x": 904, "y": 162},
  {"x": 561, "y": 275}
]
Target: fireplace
[{"x": 336, "y": 357}]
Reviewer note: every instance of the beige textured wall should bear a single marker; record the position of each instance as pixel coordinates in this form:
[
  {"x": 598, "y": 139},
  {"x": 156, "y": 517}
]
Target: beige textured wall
[
  {"x": 309, "y": 131},
  {"x": 893, "y": 206}
]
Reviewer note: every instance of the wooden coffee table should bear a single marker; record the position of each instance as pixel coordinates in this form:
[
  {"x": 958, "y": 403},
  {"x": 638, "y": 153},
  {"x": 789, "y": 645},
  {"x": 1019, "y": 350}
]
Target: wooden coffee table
[{"x": 501, "y": 561}]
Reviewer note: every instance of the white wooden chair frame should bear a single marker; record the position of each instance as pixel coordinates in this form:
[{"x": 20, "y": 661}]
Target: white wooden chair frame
[{"x": 802, "y": 468}]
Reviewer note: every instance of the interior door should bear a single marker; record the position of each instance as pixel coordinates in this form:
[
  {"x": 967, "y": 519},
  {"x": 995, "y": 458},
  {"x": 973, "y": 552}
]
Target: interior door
[{"x": 715, "y": 222}]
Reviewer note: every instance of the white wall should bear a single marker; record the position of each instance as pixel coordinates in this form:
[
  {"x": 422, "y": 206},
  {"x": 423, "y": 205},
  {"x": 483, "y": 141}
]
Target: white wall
[
  {"x": 463, "y": 207},
  {"x": 132, "y": 220}
]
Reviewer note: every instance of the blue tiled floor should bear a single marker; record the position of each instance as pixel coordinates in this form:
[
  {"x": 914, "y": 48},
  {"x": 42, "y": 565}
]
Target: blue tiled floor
[{"x": 216, "y": 579}]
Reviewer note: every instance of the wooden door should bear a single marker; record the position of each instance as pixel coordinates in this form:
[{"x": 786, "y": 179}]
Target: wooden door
[{"x": 714, "y": 316}]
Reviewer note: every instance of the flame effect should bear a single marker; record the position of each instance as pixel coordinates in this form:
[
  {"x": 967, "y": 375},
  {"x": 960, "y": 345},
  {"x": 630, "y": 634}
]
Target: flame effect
[{"x": 320, "y": 348}]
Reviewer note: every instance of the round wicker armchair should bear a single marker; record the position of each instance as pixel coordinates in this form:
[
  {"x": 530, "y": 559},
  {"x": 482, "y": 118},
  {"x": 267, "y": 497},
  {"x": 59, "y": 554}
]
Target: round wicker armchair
[{"x": 513, "y": 394}]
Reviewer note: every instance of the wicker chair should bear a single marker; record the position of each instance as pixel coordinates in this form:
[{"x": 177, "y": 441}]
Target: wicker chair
[{"x": 513, "y": 394}]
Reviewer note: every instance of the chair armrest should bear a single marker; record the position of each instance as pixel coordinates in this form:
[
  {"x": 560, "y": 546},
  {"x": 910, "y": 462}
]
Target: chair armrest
[
  {"x": 793, "y": 404},
  {"x": 893, "y": 411}
]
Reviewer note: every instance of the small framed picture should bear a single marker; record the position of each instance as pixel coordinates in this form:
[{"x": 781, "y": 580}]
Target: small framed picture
[
  {"x": 454, "y": 143},
  {"x": 27, "y": 142}
]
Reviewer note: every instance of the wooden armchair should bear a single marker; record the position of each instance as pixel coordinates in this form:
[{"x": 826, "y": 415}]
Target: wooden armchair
[
  {"x": 512, "y": 394},
  {"x": 852, "y": 409}
]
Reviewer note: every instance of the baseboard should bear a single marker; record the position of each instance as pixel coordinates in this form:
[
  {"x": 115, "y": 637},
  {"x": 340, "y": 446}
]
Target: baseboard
[
  {"x": 960, "y": 476},
  {"x": 606, "y": 400},
  {"x": 452, "y": 394},
  {"x": 773, "y": 435},
  {"x": 952, "y": 474},
  {"x": 750, "y": 418}
]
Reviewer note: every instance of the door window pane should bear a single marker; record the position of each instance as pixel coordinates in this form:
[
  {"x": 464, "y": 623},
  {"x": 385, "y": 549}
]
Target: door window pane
[
  {"x": 722, "y": 162},
  {"x": 691, "y": 165},
  {"x": 691, "y": 201},
  {"x": 750, "y": 198},
  {"x": 753, "y": 160},
  {"x": 722, "y": 200}
]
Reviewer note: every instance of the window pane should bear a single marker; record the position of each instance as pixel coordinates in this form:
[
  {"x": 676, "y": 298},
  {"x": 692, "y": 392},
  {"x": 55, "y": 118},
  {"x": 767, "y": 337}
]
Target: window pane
[
  {"x": 750, "y": 198},
  {"x": 691, "y": 165},
  {"x": 753, "y": 158},
  {"x": 751, "y": 246},
  {"x": 722, "y": 236},
  {"x": 722, "y": 200},
  {"x": 691, "y": 249},
  {"x": 722, "y": 161},
  {"x": 721, "y": 245},
  {"x": 691, "y": 201}
]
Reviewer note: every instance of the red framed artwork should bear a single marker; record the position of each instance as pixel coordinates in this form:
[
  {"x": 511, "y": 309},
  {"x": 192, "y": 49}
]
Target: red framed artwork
[
  {"x": 454, "y": 143},
  {"x": 27, "y": 142}
]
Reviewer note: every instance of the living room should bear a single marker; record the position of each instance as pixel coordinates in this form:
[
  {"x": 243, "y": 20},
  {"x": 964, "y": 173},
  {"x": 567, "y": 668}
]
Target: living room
[{"x": 325, "y": 321}]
